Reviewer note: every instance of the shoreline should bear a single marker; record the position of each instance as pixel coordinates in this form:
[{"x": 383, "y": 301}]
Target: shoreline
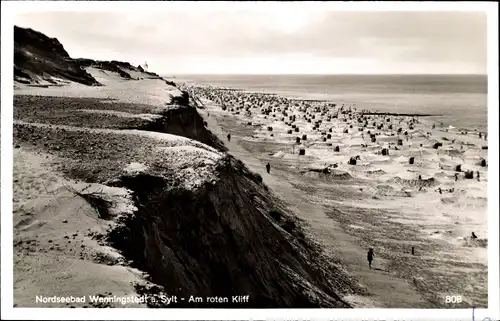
[
  {"x": 277, "y": 93},
  {"x": 399, "y": 114}
]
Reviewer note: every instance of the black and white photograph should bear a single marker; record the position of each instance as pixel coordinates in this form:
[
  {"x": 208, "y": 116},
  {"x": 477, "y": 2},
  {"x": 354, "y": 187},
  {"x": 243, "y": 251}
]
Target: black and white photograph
[{"x": 250, "y": 156}]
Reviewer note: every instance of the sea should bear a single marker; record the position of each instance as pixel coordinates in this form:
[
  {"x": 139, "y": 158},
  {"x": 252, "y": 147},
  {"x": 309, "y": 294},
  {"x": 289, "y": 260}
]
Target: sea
[{"x": 456, "y": 100}]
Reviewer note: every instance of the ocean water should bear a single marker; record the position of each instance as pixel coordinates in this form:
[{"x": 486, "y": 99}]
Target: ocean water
[{"x": 458, "y": 100}]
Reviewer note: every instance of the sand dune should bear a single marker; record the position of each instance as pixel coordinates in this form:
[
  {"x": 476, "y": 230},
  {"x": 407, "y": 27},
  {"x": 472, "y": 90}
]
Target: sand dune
[{"x": 121, "y": 190}]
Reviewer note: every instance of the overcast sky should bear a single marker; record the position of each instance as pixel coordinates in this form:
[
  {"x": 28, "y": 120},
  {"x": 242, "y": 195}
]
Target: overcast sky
[{"x": 274, "y": 42}]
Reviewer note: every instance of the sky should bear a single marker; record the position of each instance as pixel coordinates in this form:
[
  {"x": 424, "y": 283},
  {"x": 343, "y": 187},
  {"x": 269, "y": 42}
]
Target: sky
[{"x": 291, "y": 40}]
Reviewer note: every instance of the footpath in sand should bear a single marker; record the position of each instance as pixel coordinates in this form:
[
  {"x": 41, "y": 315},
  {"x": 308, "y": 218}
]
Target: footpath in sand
[
  {"x": 384, "y": 289},
  {"x": 379, "y": 203}
]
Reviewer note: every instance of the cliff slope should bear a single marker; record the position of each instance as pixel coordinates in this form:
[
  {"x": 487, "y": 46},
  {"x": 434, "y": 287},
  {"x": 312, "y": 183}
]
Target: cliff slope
[{"x": 121, "y": 190}]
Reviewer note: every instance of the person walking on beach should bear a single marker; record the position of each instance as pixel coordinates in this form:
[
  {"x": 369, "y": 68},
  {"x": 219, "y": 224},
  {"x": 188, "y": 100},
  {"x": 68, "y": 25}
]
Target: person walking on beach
[
  {"x": 268, "y": 168},
  {"x": 228, "y": 137},
  {"x": 370, "y": 256}
]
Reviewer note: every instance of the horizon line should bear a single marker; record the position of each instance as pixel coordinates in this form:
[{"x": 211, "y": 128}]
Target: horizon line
[{"x": 317, "y": 74}]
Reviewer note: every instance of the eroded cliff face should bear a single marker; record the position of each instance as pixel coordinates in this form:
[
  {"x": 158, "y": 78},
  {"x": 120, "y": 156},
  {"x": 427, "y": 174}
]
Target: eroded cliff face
[
  {"x": 184, "y": 120},
  {"x": 229, "y": 237}
]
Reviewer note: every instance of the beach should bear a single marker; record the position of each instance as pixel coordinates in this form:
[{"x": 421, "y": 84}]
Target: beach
[
  {"x": 399, "y": 184},
  {"x": 138, "y": 190}
]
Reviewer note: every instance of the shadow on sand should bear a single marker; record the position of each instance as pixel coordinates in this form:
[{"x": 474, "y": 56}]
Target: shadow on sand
[{"x": 378, "y": 269}]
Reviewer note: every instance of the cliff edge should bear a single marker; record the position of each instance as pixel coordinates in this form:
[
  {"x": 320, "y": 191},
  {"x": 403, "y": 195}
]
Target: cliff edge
[{"x": 120, "y": 190}]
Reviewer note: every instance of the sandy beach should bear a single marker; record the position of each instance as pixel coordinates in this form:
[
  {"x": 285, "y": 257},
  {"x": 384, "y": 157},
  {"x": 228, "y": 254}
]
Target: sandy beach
[
  {"x": 135, "y": 190},
  {"x": 386, "y": 182}
]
